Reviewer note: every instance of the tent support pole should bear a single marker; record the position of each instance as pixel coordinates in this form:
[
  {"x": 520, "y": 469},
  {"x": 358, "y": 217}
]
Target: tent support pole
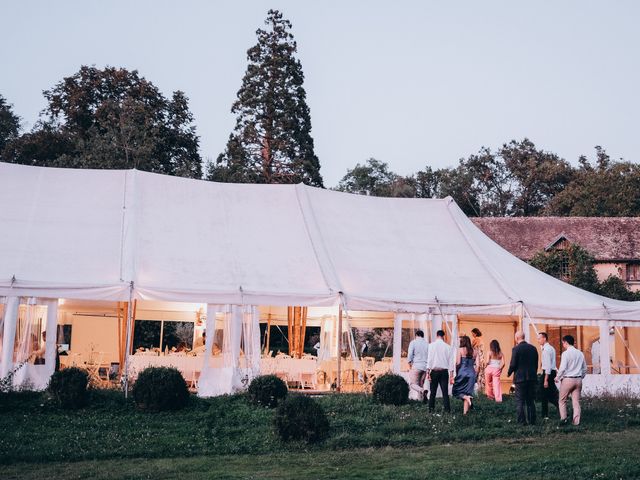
[
  {"x": 128, "y": 341},
  {"x": 339, "y": 368},
  {"x": 268, "y": 340}
]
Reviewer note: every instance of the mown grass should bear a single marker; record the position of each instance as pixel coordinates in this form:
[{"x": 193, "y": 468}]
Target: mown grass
[
  {"x": 588, "y": 455},
  {"x": 35, "y": 430}
]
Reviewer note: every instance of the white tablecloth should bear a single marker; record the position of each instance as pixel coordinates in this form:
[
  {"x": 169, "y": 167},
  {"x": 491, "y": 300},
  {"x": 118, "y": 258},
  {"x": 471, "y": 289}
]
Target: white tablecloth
[{"x": 187, "y": 365}]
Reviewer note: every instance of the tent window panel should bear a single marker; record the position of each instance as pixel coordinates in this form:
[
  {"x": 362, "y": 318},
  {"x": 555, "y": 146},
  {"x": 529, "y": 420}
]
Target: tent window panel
[
  {"x": 311, "y": 337},
  {"x": 380, "y": 342},
  {"x": 625, "y": 354},
  {"x": 64, "y": 337},
  {"x": 278, "y": 341},
  {"x": 589, "y": 342},
  {"x": 146, "y": 334},
  {"x": 555, "y": 338},
  {"x": 178, "y": 335}
]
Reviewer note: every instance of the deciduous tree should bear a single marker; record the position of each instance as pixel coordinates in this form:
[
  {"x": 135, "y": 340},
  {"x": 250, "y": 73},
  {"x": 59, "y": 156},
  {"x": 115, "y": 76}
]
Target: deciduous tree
[
  {"x": 9, "y": 124},
  {"x": 112, "y": 118},
  {"x": 606, "y": 189}
]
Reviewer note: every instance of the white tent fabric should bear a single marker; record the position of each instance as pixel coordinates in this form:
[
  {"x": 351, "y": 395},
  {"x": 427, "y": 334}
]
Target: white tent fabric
[{"x": 97, "y": 235}]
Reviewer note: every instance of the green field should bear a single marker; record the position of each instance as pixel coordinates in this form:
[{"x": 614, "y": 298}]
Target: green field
[{"x": 227, "y": 437}]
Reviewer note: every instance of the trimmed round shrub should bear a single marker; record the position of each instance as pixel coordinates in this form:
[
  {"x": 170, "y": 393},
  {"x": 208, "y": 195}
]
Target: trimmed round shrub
[
  {"x": 267, "y": 391},
  {"x": 391, "y": 389},
  {"x": 299, "y": 417},
  {"x": 69, "y": 387},
  {"x": 160, "y": 388}
]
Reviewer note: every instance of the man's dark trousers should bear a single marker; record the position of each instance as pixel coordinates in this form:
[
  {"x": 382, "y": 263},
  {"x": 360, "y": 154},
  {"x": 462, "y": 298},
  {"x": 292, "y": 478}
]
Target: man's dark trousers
[
  {"x": 548, "y": 395},
  {"x": 525, "y": 396},
  {"x": 439, "y": 378}
]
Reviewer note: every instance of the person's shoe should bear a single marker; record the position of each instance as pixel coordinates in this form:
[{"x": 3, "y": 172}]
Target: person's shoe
[
  {"x": 564, "y": 422},
  {"x": 425, "y": 397}
]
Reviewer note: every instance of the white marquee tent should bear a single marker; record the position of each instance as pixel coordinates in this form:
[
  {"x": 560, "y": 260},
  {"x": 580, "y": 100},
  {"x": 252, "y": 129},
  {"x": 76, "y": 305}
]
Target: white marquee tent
[{"x": 121, "y": 235}]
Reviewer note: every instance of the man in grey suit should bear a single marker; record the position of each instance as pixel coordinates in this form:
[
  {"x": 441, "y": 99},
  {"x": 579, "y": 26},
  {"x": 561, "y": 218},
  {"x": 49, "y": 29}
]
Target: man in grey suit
[{"x": 524, "y": 366}]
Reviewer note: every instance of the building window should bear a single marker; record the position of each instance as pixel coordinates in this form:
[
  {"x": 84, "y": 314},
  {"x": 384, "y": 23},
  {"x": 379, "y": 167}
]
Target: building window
[
  {"x": 564, "y": 265},
  {"x": 633, "y": 272}
]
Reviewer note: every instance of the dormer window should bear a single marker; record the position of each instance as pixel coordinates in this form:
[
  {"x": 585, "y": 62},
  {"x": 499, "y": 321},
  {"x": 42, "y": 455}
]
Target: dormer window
[{"x": 633, "y": 272}]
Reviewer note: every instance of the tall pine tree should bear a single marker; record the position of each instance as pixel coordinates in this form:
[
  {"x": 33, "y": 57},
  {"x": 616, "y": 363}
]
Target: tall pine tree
[{"x": 271, "y": 142}]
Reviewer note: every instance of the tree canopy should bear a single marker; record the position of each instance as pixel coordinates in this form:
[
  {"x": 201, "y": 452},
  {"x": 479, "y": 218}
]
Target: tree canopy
[
  {"x": 111, "y": 118},
  {"x": 9, "y": 124},
  {"x": 516, "y": 180},
  {"x": 271, "y": 141},
  {"x": 606, "y": 189}
]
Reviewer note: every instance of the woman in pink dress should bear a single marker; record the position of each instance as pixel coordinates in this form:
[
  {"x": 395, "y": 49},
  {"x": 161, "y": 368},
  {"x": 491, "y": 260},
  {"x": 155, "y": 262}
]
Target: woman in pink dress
[{"x": 493, "y": 371}]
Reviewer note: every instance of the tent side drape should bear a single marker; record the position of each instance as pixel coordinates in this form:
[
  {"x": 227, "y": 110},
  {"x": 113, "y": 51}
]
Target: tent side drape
[{"x": 8, "y": 338}]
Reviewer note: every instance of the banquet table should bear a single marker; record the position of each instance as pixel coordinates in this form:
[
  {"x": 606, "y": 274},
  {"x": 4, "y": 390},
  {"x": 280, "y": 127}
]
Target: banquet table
[{"x": 189, "y": 365}]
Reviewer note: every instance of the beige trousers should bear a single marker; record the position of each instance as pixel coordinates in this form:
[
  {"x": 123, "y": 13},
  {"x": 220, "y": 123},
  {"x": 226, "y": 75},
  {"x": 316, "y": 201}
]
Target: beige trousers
[
  {"x": 416, "y": 380},
  {"x": 573, "y": 387}
]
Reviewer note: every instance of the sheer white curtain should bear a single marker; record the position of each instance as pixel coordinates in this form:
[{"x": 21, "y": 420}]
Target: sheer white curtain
[
  {"x": 29, "y": 334},
  {"x": 328, "y": 339},
  {"x": 251, "y": 341},
  {"x": 35, "y": 353},
  {"x": 240, "y": 350},
  {"x": 452, "y": 321},
  {"x": 397, "y": 341},
  {"x": 9, "y": 334},
  {"x": 3, "y": 304}
]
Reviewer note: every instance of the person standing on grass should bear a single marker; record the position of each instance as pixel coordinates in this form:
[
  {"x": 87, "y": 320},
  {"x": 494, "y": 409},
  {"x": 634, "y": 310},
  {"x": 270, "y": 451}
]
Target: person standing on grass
[
  {"x": 573, "y": 368},
  {"x": 523, "y": 366},
  {"x": 548, "y": 389},
  {"x": 439, "y": 371},
  {"x": 479, "y": 357},
  {"x": 467, "y": 371},
  {"x": 418, "y": 356},
  {"x": 493, "y": 371}
]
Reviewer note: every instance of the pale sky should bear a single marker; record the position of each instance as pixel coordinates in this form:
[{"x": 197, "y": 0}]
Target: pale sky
[{"x": 409, "y": 83}]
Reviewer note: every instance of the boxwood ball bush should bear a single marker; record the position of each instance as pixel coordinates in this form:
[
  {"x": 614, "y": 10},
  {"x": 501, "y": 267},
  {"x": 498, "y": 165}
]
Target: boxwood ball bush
[
  {"x": 391, "y": 389},
  {"x": 160, "y": 388},
  {"x": 69, "y": 387},
  {"x": 299, "y": 417},
  {"x": 267, "y": 391}
]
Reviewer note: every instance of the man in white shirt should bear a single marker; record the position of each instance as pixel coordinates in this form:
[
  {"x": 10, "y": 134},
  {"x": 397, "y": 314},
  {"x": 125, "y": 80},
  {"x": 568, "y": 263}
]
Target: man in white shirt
[
  {"x": 439, "y": 367},
  {"x": 548, "y": 389},
  {"x": 418, "y": 353},
  {"x": 573, "y": 368}
]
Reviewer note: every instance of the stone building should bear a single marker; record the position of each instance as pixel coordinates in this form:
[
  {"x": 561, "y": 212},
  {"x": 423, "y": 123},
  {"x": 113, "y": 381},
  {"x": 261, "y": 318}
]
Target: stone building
[{"x": 613, "y": 241}]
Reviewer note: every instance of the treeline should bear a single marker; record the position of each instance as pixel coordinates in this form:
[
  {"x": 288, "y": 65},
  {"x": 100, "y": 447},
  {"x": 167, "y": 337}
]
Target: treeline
[
  {"x": 518, "y": 179},
  {"x": 115, "y": 118}
]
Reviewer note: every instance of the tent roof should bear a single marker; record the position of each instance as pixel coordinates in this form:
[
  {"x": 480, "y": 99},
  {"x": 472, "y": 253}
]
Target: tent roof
[{"x": 90, "y": 233}]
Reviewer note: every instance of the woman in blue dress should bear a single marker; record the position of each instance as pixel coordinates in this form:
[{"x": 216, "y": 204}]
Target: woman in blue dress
[{"x": 465, "y": 380}]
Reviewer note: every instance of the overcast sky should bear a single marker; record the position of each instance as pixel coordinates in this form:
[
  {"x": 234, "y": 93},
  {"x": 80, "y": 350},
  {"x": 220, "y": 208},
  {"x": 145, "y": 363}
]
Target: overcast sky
[{"x": 410, "y": 83}]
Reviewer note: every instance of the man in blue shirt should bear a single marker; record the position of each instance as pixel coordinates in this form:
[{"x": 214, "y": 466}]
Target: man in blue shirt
[{"x": 418, "y": 354}]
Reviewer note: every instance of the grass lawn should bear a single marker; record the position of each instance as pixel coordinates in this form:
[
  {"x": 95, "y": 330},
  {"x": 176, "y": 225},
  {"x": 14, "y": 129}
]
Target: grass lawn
[{"x": 226, "y": 437}]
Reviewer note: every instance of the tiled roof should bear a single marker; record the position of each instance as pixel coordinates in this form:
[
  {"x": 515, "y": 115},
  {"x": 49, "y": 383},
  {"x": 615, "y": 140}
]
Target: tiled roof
[{"x": 606, "y": 238}]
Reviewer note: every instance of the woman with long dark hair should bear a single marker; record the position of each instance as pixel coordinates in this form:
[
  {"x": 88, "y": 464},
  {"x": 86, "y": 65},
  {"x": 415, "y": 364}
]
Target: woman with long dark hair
[
  {"x": 493, "y": 371},
  {"x": 465, "y": 380},
  {"x": 479, "y": 355}
]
